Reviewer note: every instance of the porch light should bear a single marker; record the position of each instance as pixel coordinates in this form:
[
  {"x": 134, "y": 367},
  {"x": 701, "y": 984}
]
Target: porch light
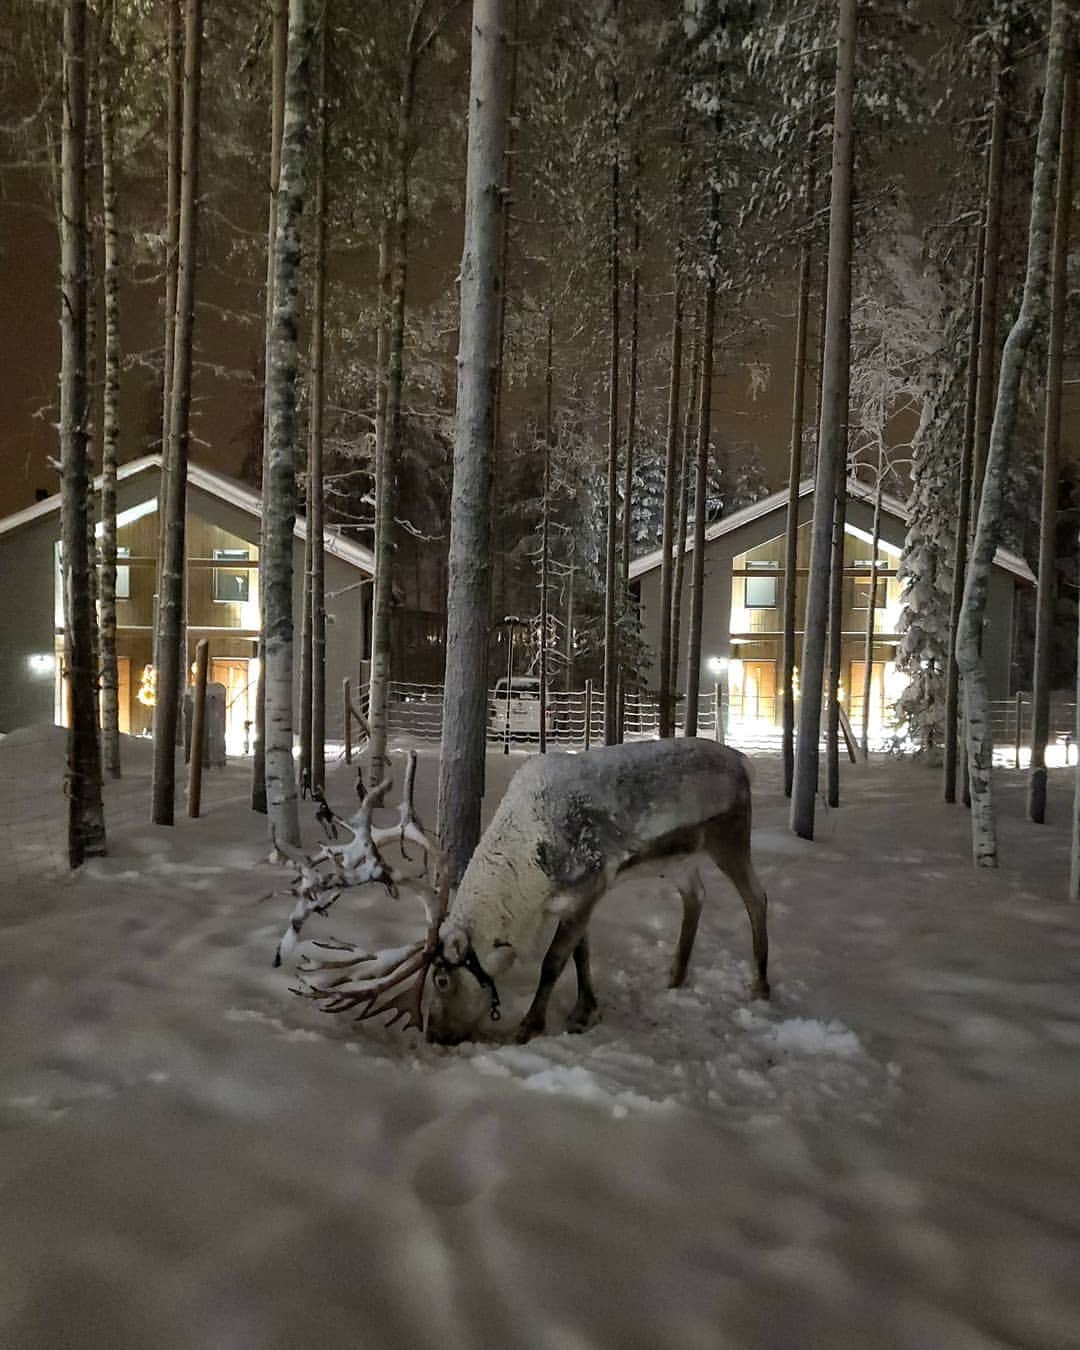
[
  {"x": 716, "y": 665},
  {"x": 41, "y": 663}
]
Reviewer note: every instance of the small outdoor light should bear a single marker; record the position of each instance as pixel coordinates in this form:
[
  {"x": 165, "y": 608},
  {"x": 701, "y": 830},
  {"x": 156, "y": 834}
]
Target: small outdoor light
[
  {"x": 717, "y": 665},
  {"x": 147, "y": 691},
  {"x": 41, "y": 663}
]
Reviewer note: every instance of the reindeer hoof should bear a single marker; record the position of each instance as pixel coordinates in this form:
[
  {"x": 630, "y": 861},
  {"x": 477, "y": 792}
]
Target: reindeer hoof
[
  {"x": 527, "y": 1030},
  {"x": 581, "y": 1019}
]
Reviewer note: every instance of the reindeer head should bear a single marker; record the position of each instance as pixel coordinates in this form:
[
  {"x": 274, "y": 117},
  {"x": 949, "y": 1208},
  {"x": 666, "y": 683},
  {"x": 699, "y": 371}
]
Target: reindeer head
[
  {"x": 463, "y": 993},
  {"x": 389, "y": 984}
]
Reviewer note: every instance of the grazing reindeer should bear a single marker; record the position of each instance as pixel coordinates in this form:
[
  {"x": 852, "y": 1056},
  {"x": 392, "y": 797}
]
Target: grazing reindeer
[{"x": 566, "y": 828}]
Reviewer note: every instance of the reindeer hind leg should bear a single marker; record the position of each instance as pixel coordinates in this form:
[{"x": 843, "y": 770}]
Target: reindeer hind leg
[
  {"x": 691, "y": 894},
  {"x": 731, "y": 853},
  {"x": 585, "y": 1012}
]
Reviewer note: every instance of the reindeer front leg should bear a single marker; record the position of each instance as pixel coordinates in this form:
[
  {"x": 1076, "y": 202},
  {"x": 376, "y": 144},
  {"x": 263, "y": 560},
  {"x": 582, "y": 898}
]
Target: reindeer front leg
[{"x": 568, "y": 935}]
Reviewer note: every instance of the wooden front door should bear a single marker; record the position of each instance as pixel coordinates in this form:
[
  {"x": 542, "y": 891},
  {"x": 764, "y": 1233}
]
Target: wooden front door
[
  {"x": 233, "y": 672},
  {"x": 123, "y": 694},
  {"x": 759, "y": 691},
  {"x": 857, "y": 690}
]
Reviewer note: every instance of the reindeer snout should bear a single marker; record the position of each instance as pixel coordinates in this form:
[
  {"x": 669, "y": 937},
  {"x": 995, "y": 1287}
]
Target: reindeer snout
[{"x": 436, "y": 1036}]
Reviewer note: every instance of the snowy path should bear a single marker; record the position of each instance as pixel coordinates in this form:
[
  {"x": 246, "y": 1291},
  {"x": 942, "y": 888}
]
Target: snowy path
[{"x": 887, "y": 1155}]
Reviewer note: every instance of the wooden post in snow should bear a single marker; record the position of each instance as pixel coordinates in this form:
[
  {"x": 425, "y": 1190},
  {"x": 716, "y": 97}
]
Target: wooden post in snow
[{"x": 198, "y": 729}]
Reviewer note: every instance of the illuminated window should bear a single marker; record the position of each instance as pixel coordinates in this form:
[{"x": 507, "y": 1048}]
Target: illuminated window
[
  {"x": 232, "y": 585},
  {"x": 760, "y": 593},
  {"x": 123, "y": 575}
]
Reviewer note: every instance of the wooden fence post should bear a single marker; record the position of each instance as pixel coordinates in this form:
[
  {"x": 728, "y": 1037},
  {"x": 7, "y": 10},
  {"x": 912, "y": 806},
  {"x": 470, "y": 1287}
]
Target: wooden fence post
[
  {"x": 198, "y": 728},
  {"x": 347, "y": 718},
  {"x": 718, "y": 705},
  {"x": 588, "y": 713},
  {"x": 1019, "y": 724}
]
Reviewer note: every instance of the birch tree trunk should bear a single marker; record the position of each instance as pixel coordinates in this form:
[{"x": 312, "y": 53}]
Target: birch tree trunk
[
  {"x": 568, "y": 682},
  {"x": 689, "y": 418},
  {"x": 316, "y": 501},
  {"x": 509, "y": 157},
  {"x": 91, "y": 160},
  {"x": 377, "y": 712},
  {"x": 667, "y": 563},
  {"x": 832, "y": 429},
  {"x": 545, "y": 522},
  {"x": 611, "y": 636},
  {"x": 86, "y": 817},
  {"x": 1032, "y": 313},
  {"x": 963, "y": 526},
  {"x": 306, "y": 635},
  {"x": 110, "y": 428},
  {"x": 988, "y": 314},
  {"x": 631, "y": 419},
  {"x": 1047, "y": 594},
  {"x": 697, "y": 583},
  {"x": 461, "y": 767},
  {"x": 174, "y": 106},
  {"x": 386, "y": 452},
  {"x": 279, "y": 493},
  {"x": 791, "y": 531},
  {"x": 278, "y": 57},
  {"x": 171, "y": 581},
  {"x": 988, "y": 318}
]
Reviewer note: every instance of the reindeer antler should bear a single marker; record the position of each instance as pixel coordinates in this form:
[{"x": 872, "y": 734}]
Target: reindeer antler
[
  {"x": 367, "y": 982},
  {"x": 408, "y": 826},
  {"x": 362, "y": 981}
]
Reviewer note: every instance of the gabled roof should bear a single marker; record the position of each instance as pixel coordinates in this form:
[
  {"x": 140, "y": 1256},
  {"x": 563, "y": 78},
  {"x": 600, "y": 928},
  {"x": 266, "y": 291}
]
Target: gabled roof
[
  {"x": 217, "y": 485},
  {"x": 777, "y": 501}
]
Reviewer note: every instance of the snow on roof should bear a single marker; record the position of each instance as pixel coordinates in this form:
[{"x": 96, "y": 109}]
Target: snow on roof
[
  {"x": 217, "y": 485},
  {"x": 776, "y": 501}
]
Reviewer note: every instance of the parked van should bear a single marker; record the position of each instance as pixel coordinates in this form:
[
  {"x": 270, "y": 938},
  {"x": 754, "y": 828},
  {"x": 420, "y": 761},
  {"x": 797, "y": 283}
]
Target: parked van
[{"x": 524, "y": 700}]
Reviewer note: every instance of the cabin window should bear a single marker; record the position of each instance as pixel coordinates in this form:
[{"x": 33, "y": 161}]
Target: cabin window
[
  {"x": 123, "y": 575},
  {"x": 760, "y": 593},
  {"x": 232, "y": 585}
]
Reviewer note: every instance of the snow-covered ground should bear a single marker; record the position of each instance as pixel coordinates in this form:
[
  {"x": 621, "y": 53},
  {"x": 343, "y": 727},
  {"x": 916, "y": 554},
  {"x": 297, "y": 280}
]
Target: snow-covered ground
[{"x": 888, "y": 1154}]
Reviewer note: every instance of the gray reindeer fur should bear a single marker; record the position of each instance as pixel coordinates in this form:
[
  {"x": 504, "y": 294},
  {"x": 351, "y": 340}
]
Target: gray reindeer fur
[{"x": 566, "y": 827}]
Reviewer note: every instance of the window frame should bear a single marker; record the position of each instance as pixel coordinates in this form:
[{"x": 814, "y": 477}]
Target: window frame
[
  {"x": 225, "y": 555},
  {"x": 771, "y": 578},
  {"x": 123, "y": 574}
]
